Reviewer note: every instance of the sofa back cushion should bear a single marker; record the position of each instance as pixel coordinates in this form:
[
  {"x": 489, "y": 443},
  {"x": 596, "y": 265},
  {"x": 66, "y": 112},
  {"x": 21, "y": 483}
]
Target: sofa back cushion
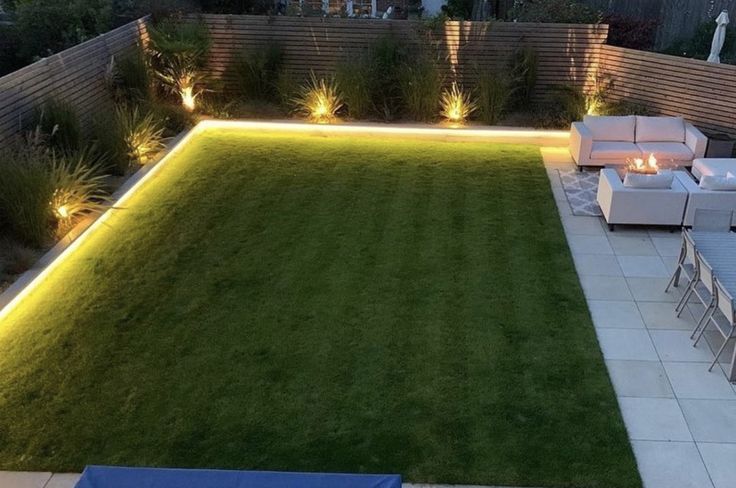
[
  {"x": 660, "y": 129},
  {"x": 660, "y": 181},
  {"x": 611, "y": 128}
]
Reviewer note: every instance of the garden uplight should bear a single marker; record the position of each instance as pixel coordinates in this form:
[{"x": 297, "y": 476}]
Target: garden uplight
[
  {"x": 456, "y": 105},
  {"x": 62, "y": 211},
  {"x": 188, "y": 98}
]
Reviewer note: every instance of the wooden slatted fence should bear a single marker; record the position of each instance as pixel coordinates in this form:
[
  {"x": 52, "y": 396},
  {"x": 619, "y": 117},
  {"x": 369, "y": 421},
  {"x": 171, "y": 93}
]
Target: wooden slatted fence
[
  {"x": 704, "y": 93},
  {"x": 567, "y": 52},
  {"x": 76, "y": 75}
]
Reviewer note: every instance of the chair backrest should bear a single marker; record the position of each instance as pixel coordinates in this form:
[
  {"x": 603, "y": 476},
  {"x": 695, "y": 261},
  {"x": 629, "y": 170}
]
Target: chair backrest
[
  {"x": 725, "y": 301},
  {"x": 707, "y": 220},
  {"x": 705, "y": 271},
  {"x": 689, "y": 244}
]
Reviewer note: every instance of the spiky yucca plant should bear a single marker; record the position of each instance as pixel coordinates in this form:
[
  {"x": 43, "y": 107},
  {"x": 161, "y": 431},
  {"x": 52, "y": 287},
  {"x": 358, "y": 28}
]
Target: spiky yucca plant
[
  {"x": 78, "y": 191},
  {"x": 142, "y": 133},
  {"x": 319, "y": 99},
  {"x": 456, "y": 105}
]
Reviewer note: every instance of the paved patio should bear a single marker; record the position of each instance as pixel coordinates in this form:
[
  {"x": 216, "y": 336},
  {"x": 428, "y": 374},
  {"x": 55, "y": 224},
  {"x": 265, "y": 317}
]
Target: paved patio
[{"x": 681, "y": 419}]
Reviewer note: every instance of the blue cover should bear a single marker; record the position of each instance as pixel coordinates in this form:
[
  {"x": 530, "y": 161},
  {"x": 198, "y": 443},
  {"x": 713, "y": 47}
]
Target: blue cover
[{"x": 116, "y": 477}]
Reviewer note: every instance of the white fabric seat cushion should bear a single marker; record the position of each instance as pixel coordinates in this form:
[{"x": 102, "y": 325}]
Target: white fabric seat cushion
[
  {"x": 714, "y": 166},
  {"x": 666, "y": 150},
  {"x": 660, "y": 129},
  {"x": 614, "y": 150},
  {"x": 611, "y": 128}
]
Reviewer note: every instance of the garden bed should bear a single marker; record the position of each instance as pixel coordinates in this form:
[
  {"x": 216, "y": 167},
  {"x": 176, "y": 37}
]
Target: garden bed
[{"x": 301, "y": 302}]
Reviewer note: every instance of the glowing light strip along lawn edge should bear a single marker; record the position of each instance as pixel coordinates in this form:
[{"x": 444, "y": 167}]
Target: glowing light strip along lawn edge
[
  {"x": 39, "y": 279},
  {"x": 388, "y": 129},
  {"x": 281, "y": 126}
]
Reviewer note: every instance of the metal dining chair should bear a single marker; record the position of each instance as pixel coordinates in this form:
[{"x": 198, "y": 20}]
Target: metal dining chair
[
  {"x": 725, "y": 322},
  {"x": 707, "y": 220},
  {"x": 703, "y": 290},
  {"x": 685, "y": 266}
]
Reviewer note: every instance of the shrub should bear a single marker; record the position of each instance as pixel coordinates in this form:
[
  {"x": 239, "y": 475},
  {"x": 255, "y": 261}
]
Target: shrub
[
  {"x": 173, "y": 117},
  {"x": 178, "y": 54},
  {"x": 58, "y": 123},
  {"x": 456, "y": 104},
  {"x": 353, "y": 76},
  {"x": 571, "y": 101},
  {"x": 524, "y": 75},
  {"x": 49, "y": 26},
  {"x": 109, "y": 142},
  {"x": 125, "y": 137},
  {"x": 287, "y": 88},
  {"x": 142, "y": 133},
  {"x": 624, "y": 107},
  {"x": 319, "y": 99},
  {"x": 554, "y": 11},
  {"x": 130, "y": 78},
  {"x": 631, "y": 32},
  {"x": 26, "y": 187},
  {"x": 421, "y": 84},
  {"x": 699, "y": 44},
  {"x": 78, "y": 190},
  {"x": 256, "y": 73},
  {"x": 386, "y": 58},
  {"x": 493, "y": 93}
]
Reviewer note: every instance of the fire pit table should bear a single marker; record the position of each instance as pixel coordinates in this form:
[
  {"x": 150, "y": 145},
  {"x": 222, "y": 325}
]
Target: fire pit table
[{"x": 631, "y": 205}]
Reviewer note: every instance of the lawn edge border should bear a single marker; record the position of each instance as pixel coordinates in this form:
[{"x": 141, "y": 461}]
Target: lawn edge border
[{"x": 32, "y": 278}]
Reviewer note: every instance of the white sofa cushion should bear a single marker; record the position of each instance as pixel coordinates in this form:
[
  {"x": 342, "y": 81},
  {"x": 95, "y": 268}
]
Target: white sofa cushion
[
  {"x": 611, "y": 128},
  {"x": 718, "y": 183},
  {"x": 660, "y": 129},
  {"x": 666, "y": 150},
  {"x": 713, "y": 166},
  {"x": 614, "y": 151},
  {"x": 659, "y": 181}
]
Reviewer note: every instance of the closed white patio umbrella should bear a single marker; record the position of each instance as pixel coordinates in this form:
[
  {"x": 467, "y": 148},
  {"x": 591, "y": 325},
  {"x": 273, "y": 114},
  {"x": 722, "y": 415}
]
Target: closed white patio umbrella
[{"x": 718, "y": 38}]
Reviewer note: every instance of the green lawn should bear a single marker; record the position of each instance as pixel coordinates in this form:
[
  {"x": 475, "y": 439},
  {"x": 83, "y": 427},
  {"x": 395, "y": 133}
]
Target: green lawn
[{"x": 296, "y": 302}]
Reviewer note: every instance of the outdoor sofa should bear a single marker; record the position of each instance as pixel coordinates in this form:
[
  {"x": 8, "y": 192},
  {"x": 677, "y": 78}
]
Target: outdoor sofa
[{"x": 612, "y": 140}]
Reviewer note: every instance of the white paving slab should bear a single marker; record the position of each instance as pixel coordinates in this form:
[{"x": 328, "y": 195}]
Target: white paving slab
[
  {"x": 662, "y": 315},
  {"x": 711, "y": 420},
  {"x": 631, "y": 344},
  {"x": 692, "y": 380},
  {"x": 63, "y": 480},
  {"x": 720, "y": 461},
  {"x": 597, "y": 265},
  {"x": 23, "y": 479},
  {"x": 617, "y": 314},
  {"x": 652, "y": 290},
  {"x": 644, "y": 379},
  {"x": 675, "y": 345},
  {"x": 671, "y": 465},
  {"x": 654, "y": 419},
  {"x": 667, "y": 246},
  {"x": 605, "y": 287},
  {"x": 638, "y": 244},
  {"x": 585, "y": 244},
  {"x": 642, "y": 266}
]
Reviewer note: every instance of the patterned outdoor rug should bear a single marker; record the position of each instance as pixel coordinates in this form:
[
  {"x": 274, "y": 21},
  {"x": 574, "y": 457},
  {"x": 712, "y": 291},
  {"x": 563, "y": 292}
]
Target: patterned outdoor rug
[{"x": 580, "y": 190}]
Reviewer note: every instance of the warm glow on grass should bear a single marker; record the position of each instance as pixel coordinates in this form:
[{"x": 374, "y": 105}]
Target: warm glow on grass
[{"x": 456, "y": 105}]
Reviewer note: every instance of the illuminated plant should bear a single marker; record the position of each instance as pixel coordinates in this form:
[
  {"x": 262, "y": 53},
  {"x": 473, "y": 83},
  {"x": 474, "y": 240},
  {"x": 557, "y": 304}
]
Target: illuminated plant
[
  {"x": 41, "y": 193},
  {"x": 183, "y": 79},
  {"x": 142, "y": 134},
  {"x": 77, "y": 190},
  {"x": 178, "y": 54},
  {"x": 456, "y": 105},
  {"x": 319, "y": 100}
]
